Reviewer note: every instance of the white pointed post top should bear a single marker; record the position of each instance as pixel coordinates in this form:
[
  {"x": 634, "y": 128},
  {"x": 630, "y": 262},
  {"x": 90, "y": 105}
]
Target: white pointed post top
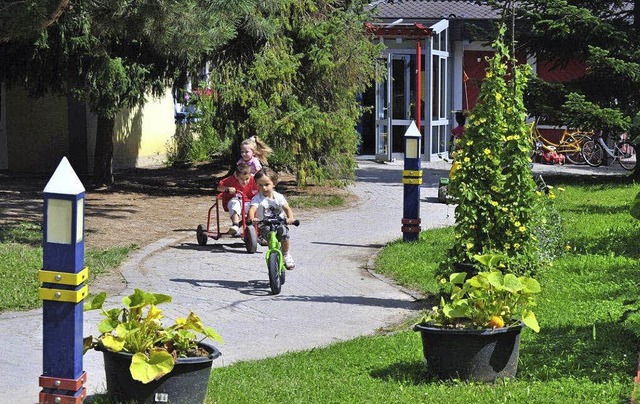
[
  {"x": 64, "y": 180},
  {"x": 412, "y": 131}
]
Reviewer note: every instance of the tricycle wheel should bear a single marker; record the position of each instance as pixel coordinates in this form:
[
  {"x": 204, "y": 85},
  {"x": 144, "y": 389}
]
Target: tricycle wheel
[
  {"x": 251, "y": 239},
  {"x": 201, "y": 234}
]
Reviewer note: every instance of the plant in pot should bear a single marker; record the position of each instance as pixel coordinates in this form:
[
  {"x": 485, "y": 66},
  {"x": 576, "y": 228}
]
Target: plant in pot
[
  {"x": 146, "y": 361},
  {"x": 474, "y": 334},
  {"x": 486, "y": 277}
]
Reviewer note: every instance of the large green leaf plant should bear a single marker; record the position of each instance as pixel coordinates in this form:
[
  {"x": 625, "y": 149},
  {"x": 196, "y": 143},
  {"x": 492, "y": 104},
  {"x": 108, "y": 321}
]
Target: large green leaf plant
[
  {"x": 487, "y": 299},
  {"x": 136, "y": 328}
]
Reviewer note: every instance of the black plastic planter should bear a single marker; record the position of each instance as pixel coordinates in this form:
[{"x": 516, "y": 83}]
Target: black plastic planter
[
  {"x": 187, "y": 383},
  {"x": 474, "y": 355}
]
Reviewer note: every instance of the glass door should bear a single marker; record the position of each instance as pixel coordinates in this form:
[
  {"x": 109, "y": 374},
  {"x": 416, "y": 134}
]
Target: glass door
[
  {"x": 395, "y": 105},
  {"x": 438, "y": 115},
  {"x": 382, "y": 112}
]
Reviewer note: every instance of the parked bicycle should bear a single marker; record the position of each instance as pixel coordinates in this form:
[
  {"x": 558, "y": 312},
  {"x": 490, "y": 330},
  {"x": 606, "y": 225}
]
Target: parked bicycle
[
  {"x": 622, "y": 151},
  {"x": 273, "y": 255},
  {"x": 569, "y": 144}
]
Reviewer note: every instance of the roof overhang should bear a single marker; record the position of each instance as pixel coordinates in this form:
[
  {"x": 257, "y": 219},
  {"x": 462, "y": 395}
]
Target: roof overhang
[{"x": 407, "y": 31}]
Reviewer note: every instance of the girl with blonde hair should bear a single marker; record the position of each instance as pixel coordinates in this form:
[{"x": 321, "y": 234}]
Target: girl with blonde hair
[{"x": 254, "y": 152}]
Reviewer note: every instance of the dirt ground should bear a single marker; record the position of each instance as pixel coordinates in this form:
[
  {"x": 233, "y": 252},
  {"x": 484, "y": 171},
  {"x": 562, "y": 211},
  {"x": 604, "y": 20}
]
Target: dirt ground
[{"x": 143, "y": 206}]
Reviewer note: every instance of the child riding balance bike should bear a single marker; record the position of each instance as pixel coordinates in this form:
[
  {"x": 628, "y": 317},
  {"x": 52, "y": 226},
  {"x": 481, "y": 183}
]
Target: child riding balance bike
[{"x": 271, "y": 212}]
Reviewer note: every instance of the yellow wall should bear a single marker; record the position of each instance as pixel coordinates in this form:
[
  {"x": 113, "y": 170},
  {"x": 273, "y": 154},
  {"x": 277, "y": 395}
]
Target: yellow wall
[
  {"x": 36, "y": 132},
  {"x": 141, "y": 135}
]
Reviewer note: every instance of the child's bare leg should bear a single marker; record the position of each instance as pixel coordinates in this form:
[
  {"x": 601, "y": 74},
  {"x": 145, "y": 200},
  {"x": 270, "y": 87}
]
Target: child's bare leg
[
  {"x": 235, "y": 219},
  {"x": 285, "y": 246}
]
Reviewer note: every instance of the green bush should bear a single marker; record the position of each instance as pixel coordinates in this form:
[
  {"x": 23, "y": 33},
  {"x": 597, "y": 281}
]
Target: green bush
[{"x": 491, "y": 180}]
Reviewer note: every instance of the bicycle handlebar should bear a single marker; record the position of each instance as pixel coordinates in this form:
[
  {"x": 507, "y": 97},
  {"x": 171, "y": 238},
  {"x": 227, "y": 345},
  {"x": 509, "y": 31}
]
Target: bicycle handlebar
[{"x": 276, "y": 220}]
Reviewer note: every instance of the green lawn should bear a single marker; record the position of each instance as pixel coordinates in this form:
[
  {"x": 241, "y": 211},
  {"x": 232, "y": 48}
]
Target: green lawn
[
  {"x": 21, "y": 259},
  {"x": 585, "y": 352}
]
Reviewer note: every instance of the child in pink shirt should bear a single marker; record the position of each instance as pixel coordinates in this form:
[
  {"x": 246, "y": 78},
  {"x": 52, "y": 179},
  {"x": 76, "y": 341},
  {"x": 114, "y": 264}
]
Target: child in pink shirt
[{"x": 254, "y": 153}]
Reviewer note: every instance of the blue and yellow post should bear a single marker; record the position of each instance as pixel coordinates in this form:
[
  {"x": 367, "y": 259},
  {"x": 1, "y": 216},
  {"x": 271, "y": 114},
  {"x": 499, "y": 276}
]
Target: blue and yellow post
[
  {"x": 412, "y": 179},
  {"x": 63, "y": 277}
]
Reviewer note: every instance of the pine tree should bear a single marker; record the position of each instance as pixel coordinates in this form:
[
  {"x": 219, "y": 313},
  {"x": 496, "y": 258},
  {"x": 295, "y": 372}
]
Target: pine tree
[
  {"x": 112, "y": 54},
  {"x": 604, "y": 35}
]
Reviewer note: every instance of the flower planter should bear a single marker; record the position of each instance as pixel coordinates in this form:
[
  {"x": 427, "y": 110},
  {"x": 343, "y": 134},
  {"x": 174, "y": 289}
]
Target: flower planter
[
  {"x": 473, "y": 355},
  {"x": 187, "y": 383}
]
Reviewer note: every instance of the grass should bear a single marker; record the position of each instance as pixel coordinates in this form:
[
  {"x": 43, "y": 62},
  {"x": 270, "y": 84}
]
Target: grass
[
  {"x": 584, "y": 353},
  {"x": 315, "y": 201},
  {"x": 21, "y": 259}
]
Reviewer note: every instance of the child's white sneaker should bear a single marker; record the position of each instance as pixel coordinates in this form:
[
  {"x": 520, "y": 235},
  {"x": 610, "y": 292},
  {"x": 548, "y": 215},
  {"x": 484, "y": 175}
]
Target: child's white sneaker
[
  {"x": 289, "y": 263},
  {"x": 233, "y": 230}
]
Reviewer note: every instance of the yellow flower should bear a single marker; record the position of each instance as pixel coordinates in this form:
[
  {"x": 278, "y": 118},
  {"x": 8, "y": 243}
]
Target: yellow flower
[
  {"x": 507, "y": 246},
  {"x": 516, "y": 223},
  {"x": 469, "y": 142},
  {"x": 489, "y": 75},
  {"x": 522, "y": 229},
  {"x": 516, "y": 245},
  {"x": 467, "y": 159},
  {"x": 469, "y": 246},
  {"x": 454, "y": 167},
  {"x": 487, "y": 151},
  {"x": 498, "y": 96},
  {"x": 494, "y": 203},
  {"x": 567, "y": 247},
  {"x": 552, "y": 195}
]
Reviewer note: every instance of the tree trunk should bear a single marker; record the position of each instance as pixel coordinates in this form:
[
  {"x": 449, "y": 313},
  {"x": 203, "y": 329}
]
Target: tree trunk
[
  {"x": 103, "y": 158},
  {"x": 77, "y": 127}
]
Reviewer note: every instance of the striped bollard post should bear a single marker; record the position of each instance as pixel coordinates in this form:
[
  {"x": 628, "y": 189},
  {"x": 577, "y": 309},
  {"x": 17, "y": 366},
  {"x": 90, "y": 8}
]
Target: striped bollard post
[
  {"x": 63, "y": 277},
  {"x": 412, "y": 179}
]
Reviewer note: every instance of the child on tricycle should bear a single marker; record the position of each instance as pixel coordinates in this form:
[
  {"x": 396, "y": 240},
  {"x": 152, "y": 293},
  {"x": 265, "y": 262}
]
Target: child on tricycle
[
  {"x": 235, "y": 188},
  {"x": 236, "y": 191}
]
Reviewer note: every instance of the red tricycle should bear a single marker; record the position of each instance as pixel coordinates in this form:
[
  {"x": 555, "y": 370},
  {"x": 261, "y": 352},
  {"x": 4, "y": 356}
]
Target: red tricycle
[{"x": 248, "y": 233}]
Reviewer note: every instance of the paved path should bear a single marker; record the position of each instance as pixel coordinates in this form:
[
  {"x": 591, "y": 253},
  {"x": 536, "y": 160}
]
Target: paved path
[{"x": 329, "y": 297}]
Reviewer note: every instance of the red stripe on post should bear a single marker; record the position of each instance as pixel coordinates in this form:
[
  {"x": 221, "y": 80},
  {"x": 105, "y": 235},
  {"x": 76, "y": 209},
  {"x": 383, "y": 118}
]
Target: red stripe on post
[
  {"x": 52, "y": 398},
  {"x": 411, "y": 229},
  {"x": 63, "y": 384},
  {"x": 411, "y": 221}
]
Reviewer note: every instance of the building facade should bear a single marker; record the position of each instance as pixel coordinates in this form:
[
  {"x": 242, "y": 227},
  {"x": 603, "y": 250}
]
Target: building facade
[{"x": 454, "y": 52}]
